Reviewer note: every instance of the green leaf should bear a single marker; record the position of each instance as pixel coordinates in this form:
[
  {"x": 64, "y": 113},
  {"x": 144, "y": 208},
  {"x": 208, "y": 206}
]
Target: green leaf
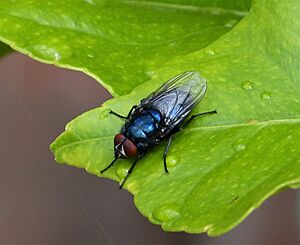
[
  {"x": 223, "y": 166},
  {"x": 115, "y": 41},
  {"x": 4, "y": 49}
]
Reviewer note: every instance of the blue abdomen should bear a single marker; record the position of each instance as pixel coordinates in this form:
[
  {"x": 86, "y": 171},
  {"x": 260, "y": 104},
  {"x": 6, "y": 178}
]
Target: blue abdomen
[{"x": 143, "y": 128}]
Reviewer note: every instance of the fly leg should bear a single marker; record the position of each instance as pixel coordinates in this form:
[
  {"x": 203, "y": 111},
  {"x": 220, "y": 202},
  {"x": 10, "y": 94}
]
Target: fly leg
[
  {"x": 110, "y": 165},
  {"x": 198, "y": 115},
  {"x": 123, "y": 117},
  {"x": 116, "y": 114},
  {"x": 166, "y": 152},
  {"x": 129, "y": 172},
  {"x": 178, "y": 130}
]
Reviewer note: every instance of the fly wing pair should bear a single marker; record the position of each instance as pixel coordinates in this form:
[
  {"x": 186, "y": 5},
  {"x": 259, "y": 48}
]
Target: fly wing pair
[{"x": 176, "y": 98}]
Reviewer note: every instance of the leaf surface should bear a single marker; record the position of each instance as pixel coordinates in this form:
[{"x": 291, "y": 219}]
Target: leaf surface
[
  {"x": 222, "y": 166},
  {"x": 115, "y": 41}
]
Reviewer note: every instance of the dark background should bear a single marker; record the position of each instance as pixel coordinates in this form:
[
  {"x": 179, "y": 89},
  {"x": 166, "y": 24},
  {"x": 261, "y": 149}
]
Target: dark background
[{"x": 46, "y": 203}]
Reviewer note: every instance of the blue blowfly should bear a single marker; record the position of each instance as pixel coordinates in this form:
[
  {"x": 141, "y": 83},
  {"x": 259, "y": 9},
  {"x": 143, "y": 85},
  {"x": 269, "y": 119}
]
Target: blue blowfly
[{"x": 159, "y": 116}]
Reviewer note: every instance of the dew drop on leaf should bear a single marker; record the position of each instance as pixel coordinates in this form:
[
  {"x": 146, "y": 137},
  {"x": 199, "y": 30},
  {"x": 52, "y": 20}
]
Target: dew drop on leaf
[
  {"x": 122, "y": 171},
  {"x": 90, "y": 55},
  {"x": 265, "y": 95},
  {"x": 51, "y": 53},
  {"x": 104, "y": 114},
  {"x": 238, "y": 146},
  {"x": 150, "y": 73},
  {"x": 166, "y": 212},
  {"x": 172, "y": 161},
  {"x": 247, "y": 85},
  {"x": 57, "y": 56},
  {"x": 210, "y": 52}
]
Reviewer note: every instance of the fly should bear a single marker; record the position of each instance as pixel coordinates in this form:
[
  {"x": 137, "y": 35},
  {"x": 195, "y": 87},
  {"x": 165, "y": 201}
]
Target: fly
[{"x": 158, "y": 116}]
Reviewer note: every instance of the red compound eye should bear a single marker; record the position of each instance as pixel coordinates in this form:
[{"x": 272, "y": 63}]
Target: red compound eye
[
  {"x": 130, "y": 148},
  {"x": 125, "y": 146},
  {"x": 119, "y": 138}
]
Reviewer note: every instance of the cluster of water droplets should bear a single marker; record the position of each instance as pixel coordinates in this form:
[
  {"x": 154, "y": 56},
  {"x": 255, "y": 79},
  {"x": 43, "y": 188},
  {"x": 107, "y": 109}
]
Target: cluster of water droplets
[
  {"x": 265, "y": 95},
  {"x": 247, "y": 85}
]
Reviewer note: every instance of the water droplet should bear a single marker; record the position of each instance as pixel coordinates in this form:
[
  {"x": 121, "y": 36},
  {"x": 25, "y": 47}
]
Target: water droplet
[
  {"x": 90, "y": 55},
  {"x": 210, "y": 52},
  {"x": 122, "y": 171},
  {"x": 247, "y": 85},
  {"x": 150, "y": 73},
  {"x": 57, "y": 56},
  {"x": 265, "y": 95},
  {"x": 51, "y": 53},
  {"x": 238, "y": 146},
  {"x": 172, "y": 161},
  {"x": 104, "y": 114},
  {"x": 47, "y": 52},
  {"x": 166, "y": 212}
]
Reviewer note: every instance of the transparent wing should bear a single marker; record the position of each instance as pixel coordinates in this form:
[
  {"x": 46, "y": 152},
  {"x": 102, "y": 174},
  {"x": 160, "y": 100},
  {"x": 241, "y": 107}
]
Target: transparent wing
[{"x": 176, "y": 98}]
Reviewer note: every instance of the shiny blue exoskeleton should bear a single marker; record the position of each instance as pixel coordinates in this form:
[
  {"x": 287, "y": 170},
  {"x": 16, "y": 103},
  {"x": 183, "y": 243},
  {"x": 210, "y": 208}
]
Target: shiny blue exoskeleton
[
  {"x": 158, "y": 116},
  {"x": 143, "y": 129}
]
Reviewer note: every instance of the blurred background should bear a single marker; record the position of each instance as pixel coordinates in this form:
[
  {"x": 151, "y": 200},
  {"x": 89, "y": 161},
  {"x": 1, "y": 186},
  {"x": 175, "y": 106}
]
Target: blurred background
[{"x": 42, "y": 202}]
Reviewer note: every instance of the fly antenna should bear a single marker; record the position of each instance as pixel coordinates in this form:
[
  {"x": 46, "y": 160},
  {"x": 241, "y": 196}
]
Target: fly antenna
[{"x": 110, "y": 165}]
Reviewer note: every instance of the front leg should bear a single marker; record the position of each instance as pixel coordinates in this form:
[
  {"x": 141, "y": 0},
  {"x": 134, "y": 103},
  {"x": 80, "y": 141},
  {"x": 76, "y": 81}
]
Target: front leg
[
  {"x": 116, "y": 114},
  {"x": 120, "y": 116},
  {"x": 129, "y": 172}
]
